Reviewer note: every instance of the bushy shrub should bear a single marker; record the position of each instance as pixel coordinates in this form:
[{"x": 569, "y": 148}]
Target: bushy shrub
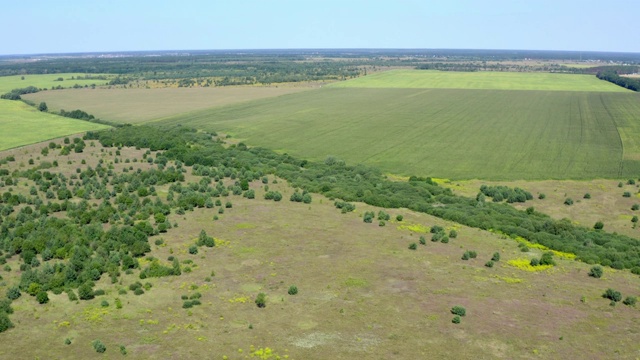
[
  {"x": 368, "y": 217},
  {"x": 193, "y": 249},
  {"x": 261, "y": 300},
  {"x": 453, "y": 234},
  {"x": 293, "y": 290},
  {"x": 598, "y": 225},
  {"x": 5, "y": 322},
  {"x": 42, "y": 297},
  {"x": 568, "y": 201},
  {"x": 413, "y": 246},
  {"x": 596, "y": 272},
  {"x": 587, "y": 196},
  {"x": 99, "y": 346},
  {"x": 612, "y": 295},
  {"x": 399, "y": 217},
  {"x": 489, "y": 264},
  {"x": 630, "y": 301},
  {"x": 496, "y": 256},
  {"x": 542, "y": 196},
  {"x": 436, "y": 229},
  {"x": 423, "y": 241},
  {"x": 383, "y": 216},
  {"x": 456, "y": 319},
  {"x": 458, "y": 310},
  {"x": 635, "y": 207},
  {"x": 626, "y": 194},
  {"x": 13, "y": 293}
]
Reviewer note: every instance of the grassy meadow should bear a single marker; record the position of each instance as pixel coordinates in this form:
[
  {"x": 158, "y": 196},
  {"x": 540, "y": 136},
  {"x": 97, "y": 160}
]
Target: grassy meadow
[
  {"x": 448, "y": 133},
  {"x": 42, "y": 81},
  {"x": 22, "y": 124},
  {"x": 486, "y": 80},
  {"x": 143, "y": 105},
  {"x": 362, "y": 292}
]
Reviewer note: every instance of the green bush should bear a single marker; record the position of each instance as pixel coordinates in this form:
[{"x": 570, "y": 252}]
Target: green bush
[
  {"x": 630, "y": 301},
  {"x": 104, "y": 303},
  {"x": 193, "y": 249},
  {"x": 634, "y": 219},
  {"x": 598, "y": 225},
  {"x": 635, "y": 207},
  {"x": 542, "y": 196},
  {"x": 496, "y": 256},
  {"x": 293, "y": 290},
  {"x": 399, "y": 218},
  {"x": 489, "y": 264},
  {"x": 612, "y": 295},
  {"x": 568, "y": 201},
  {"x": 587, "y": 196},
  {"x": 13, "y": 293},
  {"x": 368, "y": 217},
  {"x": 67, "y": 341},
  {"x": 261, "y": 300},
  {"x": 413, "y": 246},
  {"x": 453, "y": 234},
  {"x": 436, "y": 229},
  {"x": 596, "y": 272},
  {"x": 99, "y": 346},
  {"x": 138, "y": 291},
  {"x": 456, "y": 319},
  {"x": 123, "y": 350},
  {"x": 465, "y": 256},
  {"x": 626, "y": 194},
  {"x": 458, "y": 310},
  {"x": 42, "y": 297},
  {"x": 5, "y": 322},
  {"x": 423, "y": 241}
]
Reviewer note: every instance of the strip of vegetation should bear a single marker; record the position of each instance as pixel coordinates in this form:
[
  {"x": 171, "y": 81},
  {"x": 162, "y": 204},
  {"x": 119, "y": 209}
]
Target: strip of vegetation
[
  {"x": 613, "y": 76},
  {"x": 336, "y": 180}
]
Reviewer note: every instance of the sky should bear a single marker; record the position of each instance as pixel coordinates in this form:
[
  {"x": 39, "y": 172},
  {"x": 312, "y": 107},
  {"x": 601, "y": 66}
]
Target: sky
[{"x": 65, "y": 26}]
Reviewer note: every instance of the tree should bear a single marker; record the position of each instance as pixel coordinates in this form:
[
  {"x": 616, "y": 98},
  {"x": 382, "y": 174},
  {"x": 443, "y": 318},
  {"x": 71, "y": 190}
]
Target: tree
[
  {"x": 85, "y": 291},
  {"x": 43, "y": 106},
  {"x": 13, "y": 293}
]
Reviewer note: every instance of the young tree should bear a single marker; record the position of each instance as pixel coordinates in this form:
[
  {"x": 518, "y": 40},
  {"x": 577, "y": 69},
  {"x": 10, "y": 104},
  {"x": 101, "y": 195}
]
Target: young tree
[{"x": 43, "y": 106}]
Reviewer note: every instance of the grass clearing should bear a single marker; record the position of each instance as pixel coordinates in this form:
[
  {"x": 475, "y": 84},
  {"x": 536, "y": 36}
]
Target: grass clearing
[
  {"x": 143, "y": 105},
  {"x": 445, "y": 133},
  {"x": 427, "y": 79},
  {"x": 42, "y": 81},
  {"x": 22, "y": 124}
]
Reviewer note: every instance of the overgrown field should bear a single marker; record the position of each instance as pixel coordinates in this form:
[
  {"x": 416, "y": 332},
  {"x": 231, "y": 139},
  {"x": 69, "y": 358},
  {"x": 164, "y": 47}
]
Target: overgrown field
[
  {"x": 487, "y": 80},
  {"x": 8, "y": 83},
  {"x": 141, "y": 105},
  {"x": 361, "y": 292},
  {"x": 22, "y": 124},
  {"x": 448, "y": 133}
]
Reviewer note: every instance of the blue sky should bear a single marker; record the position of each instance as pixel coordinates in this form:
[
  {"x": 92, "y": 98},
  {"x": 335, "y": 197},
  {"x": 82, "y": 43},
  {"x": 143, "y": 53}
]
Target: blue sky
[{"x": 45, "y": 26}]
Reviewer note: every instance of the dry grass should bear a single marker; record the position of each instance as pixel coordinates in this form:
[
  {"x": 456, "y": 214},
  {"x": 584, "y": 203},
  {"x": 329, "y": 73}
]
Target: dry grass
[
  {"x": 363, "y": 294},
  {"x": 142, "y": 105}
]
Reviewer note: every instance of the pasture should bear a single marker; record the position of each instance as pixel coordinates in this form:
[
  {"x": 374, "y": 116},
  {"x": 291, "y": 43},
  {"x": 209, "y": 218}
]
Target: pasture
[
  {"x": 22, "y": 124},
  {"x": 46, "y": 81},
  {"x": 362, "y": 292},
  {"x": 445, "y": 133},
  {"x": 143, "y": 105},
  {"x": 424, "y": 79}
]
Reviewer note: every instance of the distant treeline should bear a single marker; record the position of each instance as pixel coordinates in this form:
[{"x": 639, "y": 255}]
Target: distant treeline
[
  {"x": 612, "y": 75},
  {"x": 15, "y": 93},
  {"x": 336, "y": 180}
]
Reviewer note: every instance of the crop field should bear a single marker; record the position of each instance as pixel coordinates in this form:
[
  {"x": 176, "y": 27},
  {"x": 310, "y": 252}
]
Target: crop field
[
  {"x": 424, "y": 79},
  {"x": 8, "y": 83},
  {"x": 362, "y": 293},
  {"x": 142, "y": 105},
  {"x": 446, "y": 133},
  {"x": 22, "y": 124}
]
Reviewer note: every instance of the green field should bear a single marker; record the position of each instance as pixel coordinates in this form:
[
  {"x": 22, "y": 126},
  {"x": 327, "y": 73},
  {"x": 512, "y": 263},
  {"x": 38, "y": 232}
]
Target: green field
[
  {"x": 141, "y": 105},
  {"x": 8, "y": 83},
  {"x": 423, "y": 79},
  {"x": 450, "y": 133},
  {"x": 22, "y": 124}
]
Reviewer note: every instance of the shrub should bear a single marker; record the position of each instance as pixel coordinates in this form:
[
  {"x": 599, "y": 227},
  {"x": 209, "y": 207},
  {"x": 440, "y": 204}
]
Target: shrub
[
  {"x": 104, "y": 303},
  {"x": 587, "y": 196},
  {"x": 368, "y": 217},
  {"x": 598, "y": 225},
  {"x": 42, "y": 297},
  {"x": 465, "y": 256},
  {"x": 123, "y": 350},
  {"x": 261, "y": 300},
  {"x": 620, "y": 184},
  {"x": 437, "y": 229},
  {"x": 596, "y": 272},
  {"x": 85, "y": 291},
  {"x": 67, "y": 341},
  {"x": 547, "y": 259},
  {"x": 193, "y": 249},
  {"x": 568, "y": 201},
  {"x": 542, "y": 196},
  {"x": 634, "y": 219},
  {"x": 381, "y": 223},
  {"x": 444, "y": 240},
  {"x": 383, "y": 215},
  {"x": 413, "y": 246},
  {"x": 631, "y": 182},
  {"x": 630, "y": 301},
  {"x": 399, "y": 218},
  {"x": 293, "y": 290},
  {"x": 635, "y": 207},
  {"x": 13, "y": 293},
  {"x": 138, "y": 291},
  {"x": 458, "y": 310},
  {"x": 612, "y": 295},
  {"x": 456, "y": 319},
  {"x": 5, "y": 322},
  {"x": 99, "y": 346},
  {"x": 496, "y": 256},
  {"x": 423, "y": 241},
  {"x": 489, "y": 264},
  {"x": 71, "y": 295},
  {"x": 453, "y": 234},
  {"x": 229, "y": 205},
  {"x": 626, "y": 194}
]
